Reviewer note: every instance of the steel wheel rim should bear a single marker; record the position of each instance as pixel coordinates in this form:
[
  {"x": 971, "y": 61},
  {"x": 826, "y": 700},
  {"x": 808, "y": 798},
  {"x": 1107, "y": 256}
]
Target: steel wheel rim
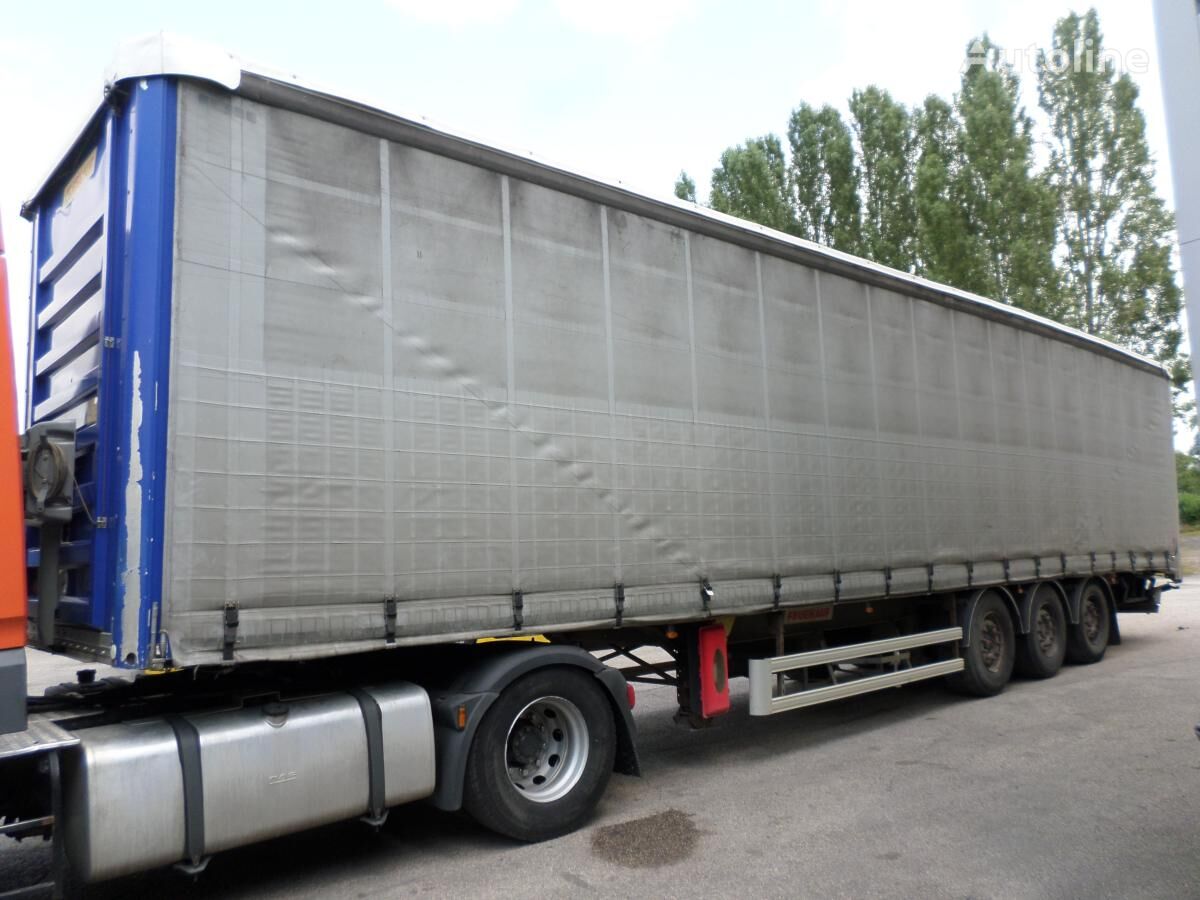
[
  {"x": 991, "y": 643},
  {"x": 1091, "y": 620},
  {"x": 546, "y": 749},
  {"x": 1047, "y": 634}
]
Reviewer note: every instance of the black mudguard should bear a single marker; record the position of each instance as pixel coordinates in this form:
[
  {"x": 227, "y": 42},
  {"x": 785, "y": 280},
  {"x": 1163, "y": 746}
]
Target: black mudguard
[{"x": 482, "y": 680}]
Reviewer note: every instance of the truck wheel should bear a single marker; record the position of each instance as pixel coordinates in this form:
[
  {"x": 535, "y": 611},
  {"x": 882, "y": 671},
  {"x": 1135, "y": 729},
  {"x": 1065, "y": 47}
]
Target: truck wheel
[
  {"x": 1040, "y": 652},
  {"x": 542, "y": 756},
  {"x": 991, "y": 652},
  {"x": 1088, "y": 639}
]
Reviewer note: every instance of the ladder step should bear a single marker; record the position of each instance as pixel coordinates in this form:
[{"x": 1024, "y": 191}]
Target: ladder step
[
  {"x": 764, "y": 672},
  {"x": 769, "y": 705},
  {"x": 857, "y": 651}
]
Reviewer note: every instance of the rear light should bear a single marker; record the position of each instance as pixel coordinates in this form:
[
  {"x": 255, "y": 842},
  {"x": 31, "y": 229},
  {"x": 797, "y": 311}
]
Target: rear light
[{"x": 630, "y": 695}]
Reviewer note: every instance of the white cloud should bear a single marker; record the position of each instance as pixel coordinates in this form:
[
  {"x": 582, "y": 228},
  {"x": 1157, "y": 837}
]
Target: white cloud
[
  {"x": 457, "y": 13},
  {"x": 633, "y": 20},
  {"x": 636, "y": 21}
]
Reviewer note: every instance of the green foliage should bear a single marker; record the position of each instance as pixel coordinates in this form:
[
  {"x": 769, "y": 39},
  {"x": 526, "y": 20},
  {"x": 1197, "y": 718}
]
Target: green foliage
[
  {"x": 1187, "y": 474},
  {"x": 824, "y": 178},
  {"x": 952, "y": 191},
  {"x": 751, "y": 182},
  {"x": 883, "y": 134},
  {"x": 1189, "y": 509},
  {"x": 944, "y": 234},
  {"x": 685, "y": 187},
  {"x": 1117, "y": 277},
  {"x": 1009, "y": 208}
]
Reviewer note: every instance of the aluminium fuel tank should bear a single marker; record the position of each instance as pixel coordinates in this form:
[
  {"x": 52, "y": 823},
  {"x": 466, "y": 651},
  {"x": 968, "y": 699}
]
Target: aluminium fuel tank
[{"x": 180, "y": 788}]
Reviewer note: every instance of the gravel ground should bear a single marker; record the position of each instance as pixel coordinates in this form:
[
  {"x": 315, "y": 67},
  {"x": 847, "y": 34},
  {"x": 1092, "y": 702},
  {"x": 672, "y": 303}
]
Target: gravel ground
[{"x": 1087, "y": 785}]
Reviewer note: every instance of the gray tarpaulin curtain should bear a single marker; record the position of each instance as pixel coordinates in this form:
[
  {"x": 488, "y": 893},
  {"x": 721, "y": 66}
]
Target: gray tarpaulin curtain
[{"x": 395, "y": 374}]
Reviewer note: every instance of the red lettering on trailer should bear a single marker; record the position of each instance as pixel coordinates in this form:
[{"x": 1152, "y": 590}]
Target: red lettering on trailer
[{"x": 808, "y": 614}]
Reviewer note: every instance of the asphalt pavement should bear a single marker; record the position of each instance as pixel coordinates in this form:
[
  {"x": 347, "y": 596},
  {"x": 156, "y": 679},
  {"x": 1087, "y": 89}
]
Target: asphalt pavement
[{"x": 1086, "y": 785}]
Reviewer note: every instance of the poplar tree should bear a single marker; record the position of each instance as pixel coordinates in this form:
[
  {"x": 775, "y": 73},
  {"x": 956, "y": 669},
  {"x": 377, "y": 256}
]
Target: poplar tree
[
  {"x": 824, "y": 178},
  {"x": 946, "y": 245},
  {"x": 1116, "y": 268},
  {"x": 883, "y": 133},
  {"x": 1010, "y": 209},
  {"x": 751, "y": 182}
]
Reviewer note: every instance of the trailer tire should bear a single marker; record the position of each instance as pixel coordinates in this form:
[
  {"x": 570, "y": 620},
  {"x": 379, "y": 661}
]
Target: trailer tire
[
  {"x": 990, "y": 653},
  {"x": 1041, "y": 650},
  {"x": 1088, "y": 638},
  {"x": 542, "y": 756}
]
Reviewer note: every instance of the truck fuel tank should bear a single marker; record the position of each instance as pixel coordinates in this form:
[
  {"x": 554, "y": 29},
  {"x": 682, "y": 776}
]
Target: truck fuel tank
[{"x": 180, "y": 788}]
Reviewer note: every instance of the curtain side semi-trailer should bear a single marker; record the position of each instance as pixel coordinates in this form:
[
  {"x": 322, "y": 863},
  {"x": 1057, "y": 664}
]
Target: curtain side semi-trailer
[{"x": 319, "y": 396}]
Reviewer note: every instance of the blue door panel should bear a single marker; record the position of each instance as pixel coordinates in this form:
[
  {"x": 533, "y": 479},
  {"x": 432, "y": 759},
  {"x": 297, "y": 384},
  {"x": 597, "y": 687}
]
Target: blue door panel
[{"x": 99, "y": 356}]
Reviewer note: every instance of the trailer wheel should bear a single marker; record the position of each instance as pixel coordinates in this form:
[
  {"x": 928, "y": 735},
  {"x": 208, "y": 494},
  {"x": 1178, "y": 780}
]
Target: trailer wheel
[
  {"x": 1040, "y": 652},
  {"x": 542, "y": 756},
  {"x": 991, "y": 650},
  {"x": 1088, "y": 638}
]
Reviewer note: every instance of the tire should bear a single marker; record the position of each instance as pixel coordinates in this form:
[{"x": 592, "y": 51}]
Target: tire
[
  {"x": 1040, "y": 653},
  {"x": 542, "y": 756},
  {"x": 991, "y": 652},
  {"x": 1088, "y": 639}
]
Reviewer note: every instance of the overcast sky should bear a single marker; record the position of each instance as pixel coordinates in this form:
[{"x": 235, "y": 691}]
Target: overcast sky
[{"x": 632, "y": 90}]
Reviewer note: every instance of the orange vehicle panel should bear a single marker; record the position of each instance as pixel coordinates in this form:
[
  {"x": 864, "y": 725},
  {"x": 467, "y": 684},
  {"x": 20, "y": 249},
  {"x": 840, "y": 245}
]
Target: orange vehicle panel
[{"x": 12, "y": 530}]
